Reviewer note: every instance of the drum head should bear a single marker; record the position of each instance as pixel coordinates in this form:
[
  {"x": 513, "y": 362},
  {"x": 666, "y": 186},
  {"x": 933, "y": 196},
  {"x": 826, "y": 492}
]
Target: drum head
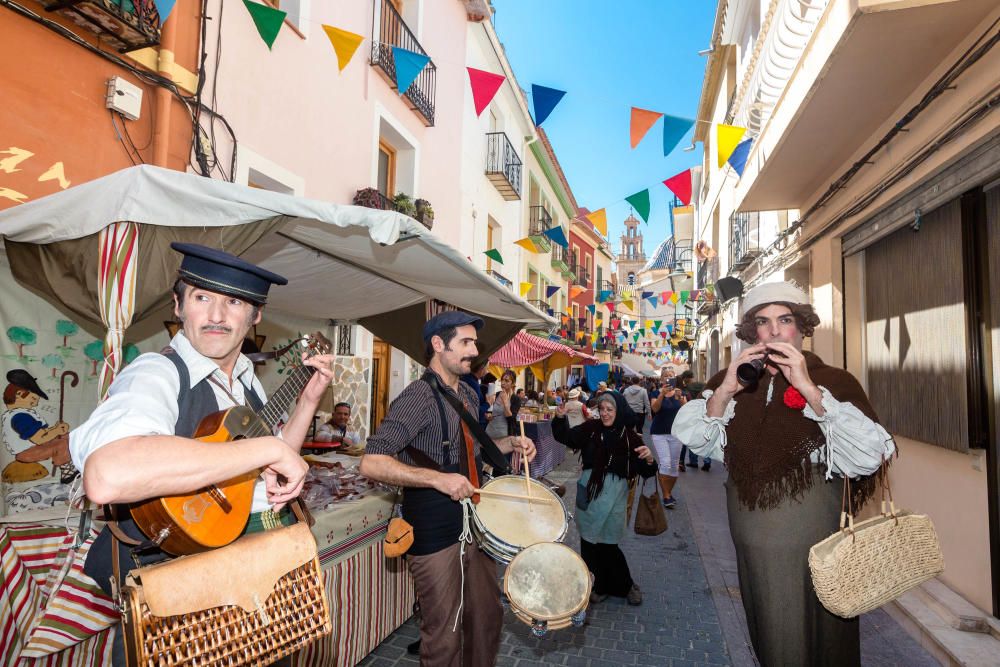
[
  {"x": 517, "y": 521},
  {"x": 547, "y": 581}
]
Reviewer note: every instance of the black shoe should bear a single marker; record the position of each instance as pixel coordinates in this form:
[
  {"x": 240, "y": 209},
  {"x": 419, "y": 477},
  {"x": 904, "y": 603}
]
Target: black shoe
[
  {"x": 706, "y": 467},
  {"x": 414, "y": 648}
]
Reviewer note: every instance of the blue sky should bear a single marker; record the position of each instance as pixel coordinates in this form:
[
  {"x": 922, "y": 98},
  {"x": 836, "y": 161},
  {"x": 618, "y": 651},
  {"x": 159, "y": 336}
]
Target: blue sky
[{"x": 611, "y": 55}]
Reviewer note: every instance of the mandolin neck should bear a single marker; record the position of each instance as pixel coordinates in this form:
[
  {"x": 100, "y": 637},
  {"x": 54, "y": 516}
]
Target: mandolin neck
[{"x": 286, "y": 394}]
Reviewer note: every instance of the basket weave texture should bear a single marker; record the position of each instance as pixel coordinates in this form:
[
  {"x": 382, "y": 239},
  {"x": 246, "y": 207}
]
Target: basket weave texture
[
  {"x": 883, "y": 558},
  {"x": 295, "y": 614}
]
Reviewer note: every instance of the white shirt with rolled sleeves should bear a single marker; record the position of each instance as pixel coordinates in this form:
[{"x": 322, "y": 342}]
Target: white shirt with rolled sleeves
[
  {"x": 854, "y": 447},
  {"x": 143, "y": 401}
]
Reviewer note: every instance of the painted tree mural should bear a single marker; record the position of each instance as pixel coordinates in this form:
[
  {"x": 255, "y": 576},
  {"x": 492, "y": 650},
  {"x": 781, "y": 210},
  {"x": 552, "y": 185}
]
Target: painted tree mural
[
  {"x": 95, "y": 352},
  {"x": 53, "y": 361},
  {"x": 131, "y": 352},
  {"x": 66, "y": 328},
  {"x": 22, "y": 336}
]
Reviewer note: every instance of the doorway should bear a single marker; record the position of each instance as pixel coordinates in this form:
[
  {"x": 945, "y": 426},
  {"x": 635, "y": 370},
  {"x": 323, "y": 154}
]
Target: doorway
[{"x": 381, "y": 358}]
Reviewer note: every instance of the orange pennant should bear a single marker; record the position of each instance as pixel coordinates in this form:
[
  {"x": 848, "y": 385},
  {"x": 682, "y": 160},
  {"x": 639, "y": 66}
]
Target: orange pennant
[
  {"x": 642, "y": 120},
  {"x": 576, "y": 290}
]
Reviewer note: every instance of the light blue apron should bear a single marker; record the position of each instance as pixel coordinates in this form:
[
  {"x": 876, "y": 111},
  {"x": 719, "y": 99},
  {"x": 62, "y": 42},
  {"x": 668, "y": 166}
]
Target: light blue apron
[{"x": 603, "y": 522}]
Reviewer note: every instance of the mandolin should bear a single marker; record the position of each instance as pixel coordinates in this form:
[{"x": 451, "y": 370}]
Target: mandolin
[{"x": 216, "y": 515}]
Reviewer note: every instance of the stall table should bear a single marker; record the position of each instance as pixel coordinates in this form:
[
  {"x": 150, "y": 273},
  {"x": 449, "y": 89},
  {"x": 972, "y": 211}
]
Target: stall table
[
  {"x": 370, "y": 595},
  {"x": 549, "y": 452}
]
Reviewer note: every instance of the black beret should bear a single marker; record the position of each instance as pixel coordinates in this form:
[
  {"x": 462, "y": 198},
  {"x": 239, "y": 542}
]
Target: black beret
[{"x": 218, "y": 271}]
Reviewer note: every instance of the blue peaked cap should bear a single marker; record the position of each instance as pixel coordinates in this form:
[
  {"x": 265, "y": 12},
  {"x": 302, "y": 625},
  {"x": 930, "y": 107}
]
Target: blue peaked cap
[{"x": 218, "y": 271}]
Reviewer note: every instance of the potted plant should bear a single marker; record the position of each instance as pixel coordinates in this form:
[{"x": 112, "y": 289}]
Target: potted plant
[
  {"x": 425, "y": 214},
  {"x": 368, "y": 197},
  {"x": 403, "y": 204}
]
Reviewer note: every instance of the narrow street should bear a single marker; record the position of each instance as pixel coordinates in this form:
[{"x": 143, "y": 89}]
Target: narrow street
[{"x": 691, "y": 612}]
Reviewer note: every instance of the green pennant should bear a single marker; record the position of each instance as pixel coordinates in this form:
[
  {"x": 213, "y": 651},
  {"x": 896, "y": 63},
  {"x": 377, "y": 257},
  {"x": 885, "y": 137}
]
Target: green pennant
[
  {"x": 642, "y": 332},
  {"x": 685, "y": 294},
  {"x": 640, "y": 202},
  {"x": 657, "y": 323},
  {"x": 267, "y": 19},
  {"x": 494, "y": 254}
]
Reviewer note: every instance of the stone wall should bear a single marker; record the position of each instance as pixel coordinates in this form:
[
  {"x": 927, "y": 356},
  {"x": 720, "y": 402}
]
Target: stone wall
[{"x": 352, "y": 384}]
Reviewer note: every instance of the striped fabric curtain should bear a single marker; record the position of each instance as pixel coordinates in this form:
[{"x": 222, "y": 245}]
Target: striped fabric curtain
[
  {"x": 435, "y": 307},
  {"x": 119, "y": 247}
]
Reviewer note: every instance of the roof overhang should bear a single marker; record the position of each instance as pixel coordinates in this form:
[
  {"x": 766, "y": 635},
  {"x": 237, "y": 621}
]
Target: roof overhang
[{"x": 865, "y": 59}]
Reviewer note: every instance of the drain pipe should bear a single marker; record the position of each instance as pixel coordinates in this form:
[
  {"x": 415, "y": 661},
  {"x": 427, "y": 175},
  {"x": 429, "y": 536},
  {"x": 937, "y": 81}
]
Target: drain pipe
[{"x": 163, "y": 101}]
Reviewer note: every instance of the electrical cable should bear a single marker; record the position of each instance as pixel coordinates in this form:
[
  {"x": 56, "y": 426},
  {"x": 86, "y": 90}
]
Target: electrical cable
[{"x": 120, "y": 140}]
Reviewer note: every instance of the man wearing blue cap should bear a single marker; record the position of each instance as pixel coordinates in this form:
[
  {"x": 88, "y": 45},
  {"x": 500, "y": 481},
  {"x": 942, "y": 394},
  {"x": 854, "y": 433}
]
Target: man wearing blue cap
[
  {"x": 138, "y": 443},
  {"x": 419, "y": 445}
]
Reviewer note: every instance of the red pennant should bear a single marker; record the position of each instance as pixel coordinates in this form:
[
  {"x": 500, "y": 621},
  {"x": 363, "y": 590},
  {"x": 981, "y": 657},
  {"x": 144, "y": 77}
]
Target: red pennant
[
  {"x": 680, "y": 185},
  {"x": 484, "y": 87}
]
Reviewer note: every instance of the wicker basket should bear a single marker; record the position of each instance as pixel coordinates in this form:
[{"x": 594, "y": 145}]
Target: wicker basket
[
  {"x": 864, "y": 566},
  {"x": 256, "y": 629}
]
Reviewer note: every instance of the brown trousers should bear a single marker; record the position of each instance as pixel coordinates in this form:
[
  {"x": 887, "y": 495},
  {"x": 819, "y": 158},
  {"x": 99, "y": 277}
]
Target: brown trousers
[{"x": 438, "y": 584}]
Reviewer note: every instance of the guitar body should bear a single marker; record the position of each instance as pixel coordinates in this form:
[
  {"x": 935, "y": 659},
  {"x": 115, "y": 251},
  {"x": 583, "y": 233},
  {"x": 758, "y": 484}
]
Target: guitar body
[{"x": 214, "y": 516}]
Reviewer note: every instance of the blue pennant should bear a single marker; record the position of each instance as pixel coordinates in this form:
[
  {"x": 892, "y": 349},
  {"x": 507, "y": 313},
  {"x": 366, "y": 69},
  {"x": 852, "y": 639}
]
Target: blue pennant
[
  {"x": 409, "y": 64},
  {"x": 545, "y": 100},
  {"x": 557, "y": 235},
  {"x": 738, "y": 160}
]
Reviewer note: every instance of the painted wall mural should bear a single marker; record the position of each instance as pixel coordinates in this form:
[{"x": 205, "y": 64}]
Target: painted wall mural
[{"x": 38, "y": 171}]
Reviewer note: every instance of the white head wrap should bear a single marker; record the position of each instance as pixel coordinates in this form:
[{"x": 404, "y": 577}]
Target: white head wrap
[{"x": 766, "y": 293}]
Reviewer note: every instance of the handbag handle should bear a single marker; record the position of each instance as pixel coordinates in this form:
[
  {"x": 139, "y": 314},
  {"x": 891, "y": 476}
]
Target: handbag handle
[{"x": 846, "y": 505}]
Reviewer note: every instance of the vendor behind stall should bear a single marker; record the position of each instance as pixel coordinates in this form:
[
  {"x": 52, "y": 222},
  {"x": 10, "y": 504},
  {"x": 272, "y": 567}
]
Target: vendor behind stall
[
  {"x": 335, "y": 429},
  {"x": 137, "y": 444}
]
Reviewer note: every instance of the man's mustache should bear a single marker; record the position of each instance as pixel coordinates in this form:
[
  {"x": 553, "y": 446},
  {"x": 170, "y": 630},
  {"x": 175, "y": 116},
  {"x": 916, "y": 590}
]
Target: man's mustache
[{"x": 217, "y": 327}]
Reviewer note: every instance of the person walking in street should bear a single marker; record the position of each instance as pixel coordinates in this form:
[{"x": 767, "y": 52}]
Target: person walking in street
[
  {"x": 456, "y": 587},
  {"x": 576, "y": 411},
  {"x": 684, "y": 383},
  {"x": 783, "y": 438},
  {"x": 668, "y": 448},
  {"x": 612, "y": 454},
  {"x": 638, "y": 400}
]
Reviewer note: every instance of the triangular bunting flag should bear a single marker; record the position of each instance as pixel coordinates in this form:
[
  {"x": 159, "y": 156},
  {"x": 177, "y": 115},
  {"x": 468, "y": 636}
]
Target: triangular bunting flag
[
  {"x": 663, "y": 334},
  {"x": 631, "y": 324},
  {"x": 408, "y": 66},
  {"x": 695, "y": 294},
  {"x": 565, "y": 319},
  {"x": 642, "y": 333},
  {"x": 599, "y": 219},
  {"x": 652, "y": 300},
  {"x": 525, "y": 288},
  {"x": 684, "y": 296},
  {"x": 674, "y": 297},
  {"x": 344, "y": 44},
  {"x": 550, "y": 290},
  {"x": 649, "y": 324},
  {"x": 267, "y": 19},
  {"x": 604, "y": 295},
  {"x": 627, "y": 303},
  {"x": 728, "y": 136},
  {"x": 680, "y": 185},
  {"x": 494, "y": 254},
  {"x": 615, "y": 323},
  {"x": 642, "y": 120},
  {"x": 484, "y": 87},
  {"x": 646, "y": 295},
  {"x": 674, "y": 129},
  {"x": 527, "y": 244},
  {"x": 591, "y": 307},
  {"x": 544, "y": 100},
  {"x": 163, "y": 8},
  {"x": 640, "y": 202},
  {"x": 610, "y": 306},
  {"x": 576, "y": 290},
  {"x": 670, "y": 329},
  {"x": 664, "y": 296},
  {"x": 738, "y": 160},
  {"x": 557, "y": 235}
]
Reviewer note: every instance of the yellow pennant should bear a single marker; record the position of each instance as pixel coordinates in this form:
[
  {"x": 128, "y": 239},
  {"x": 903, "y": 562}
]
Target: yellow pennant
[
  {"x": 728, "y": 138},
  {"x": 599, "y": 219},
  {"x": 344, "y": 43},
  {"x": 627, "y": 303},
  {"x": 649, "y": 324},
  {"x": 675, "y": 297},
  {"x": 525, "y": 288},
  {"x": 527, "y": 244},
  {"x": 593, "y": 338}
]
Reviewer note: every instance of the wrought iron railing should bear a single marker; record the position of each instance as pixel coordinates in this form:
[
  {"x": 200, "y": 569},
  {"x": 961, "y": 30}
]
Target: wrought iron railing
[
  {"x": 500, "y": 278},
  {"x": 539, "y": 221},
  {"x": 708, "y": 273},
  {"x": 541, "y": 305},
  {"x": 582, "y": 276},
  {"x": 559, "y": 255},
  {"x": 744, "y": 238},
  {"x": 389, "y": 30},
  {"x": 502, "y": 159}
]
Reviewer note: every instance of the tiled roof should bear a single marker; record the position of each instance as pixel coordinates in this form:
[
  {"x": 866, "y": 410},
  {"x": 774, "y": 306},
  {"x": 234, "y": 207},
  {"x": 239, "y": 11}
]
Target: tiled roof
[{"x": 664, "y": 257}]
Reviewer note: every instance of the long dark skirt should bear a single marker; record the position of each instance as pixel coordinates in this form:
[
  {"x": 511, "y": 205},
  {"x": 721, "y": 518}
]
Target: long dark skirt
[
  {"x": 788, "y": 624},
  {"x": 607, "y": 562}
]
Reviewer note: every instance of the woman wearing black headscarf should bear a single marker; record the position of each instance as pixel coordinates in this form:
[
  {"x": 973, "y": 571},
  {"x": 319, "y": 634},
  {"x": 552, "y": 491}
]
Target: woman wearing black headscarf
[{"x": 612, "y": 453}]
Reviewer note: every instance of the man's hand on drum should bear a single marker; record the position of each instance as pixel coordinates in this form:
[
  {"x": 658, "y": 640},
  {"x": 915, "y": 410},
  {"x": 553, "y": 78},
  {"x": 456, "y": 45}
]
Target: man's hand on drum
[
  {"x": 524, "y": 445},
  {"x": 454, "y": 485},
  {"x": 645, "y": 454}
]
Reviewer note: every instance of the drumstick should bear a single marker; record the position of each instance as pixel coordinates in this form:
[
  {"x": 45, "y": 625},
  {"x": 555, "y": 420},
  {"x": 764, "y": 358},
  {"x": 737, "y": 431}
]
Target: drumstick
[
  {"x": 501, "y": 494},
  {"x": 527, "y": 470}
]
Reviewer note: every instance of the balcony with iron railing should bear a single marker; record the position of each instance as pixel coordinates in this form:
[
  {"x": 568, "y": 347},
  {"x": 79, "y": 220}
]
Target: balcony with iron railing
[
  {"x": 389, "y": 30},
  {"x": 503, "y": 166},
  {"x": 539, "y": 222},
  {"x": 744, "y": 239},
  {"x": 124, "y": 25},
  {"x": 708, "y": 273},
  {"x": 582, "y": 276},
  {"x": 560, "y": 259},
  {"x": 542, "y": 306},
  {"x": 500, "y": 278}
]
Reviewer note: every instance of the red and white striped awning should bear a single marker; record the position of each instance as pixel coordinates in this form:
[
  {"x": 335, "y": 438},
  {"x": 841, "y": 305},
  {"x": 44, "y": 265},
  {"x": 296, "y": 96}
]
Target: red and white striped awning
[{"x": 525, "y": 349}]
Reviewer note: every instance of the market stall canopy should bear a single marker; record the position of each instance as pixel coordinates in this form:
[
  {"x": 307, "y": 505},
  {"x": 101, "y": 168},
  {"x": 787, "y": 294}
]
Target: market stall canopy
[
  {"x": 541, "y": 355},
  {"x": 380, "y": 269}
]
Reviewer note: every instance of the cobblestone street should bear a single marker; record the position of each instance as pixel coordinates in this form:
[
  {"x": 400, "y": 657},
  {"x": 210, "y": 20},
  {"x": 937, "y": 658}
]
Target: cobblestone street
[{"x": 691, "y": 612}]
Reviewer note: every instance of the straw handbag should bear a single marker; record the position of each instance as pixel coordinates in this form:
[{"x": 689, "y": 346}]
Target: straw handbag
[
  {"x": 864, "y": 566},
  {"x": 248, "y": 603}
]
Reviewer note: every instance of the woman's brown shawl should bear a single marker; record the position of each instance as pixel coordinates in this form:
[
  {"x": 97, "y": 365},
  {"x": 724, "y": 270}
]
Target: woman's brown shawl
[{"x": 768, "y": 448}]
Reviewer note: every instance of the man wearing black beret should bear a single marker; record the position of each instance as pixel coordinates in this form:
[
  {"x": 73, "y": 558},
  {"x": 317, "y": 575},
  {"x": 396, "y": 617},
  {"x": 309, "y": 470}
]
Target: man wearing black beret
[
  {"x": 138, "y": 443},
  {"x": 461, "y": 615}
]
